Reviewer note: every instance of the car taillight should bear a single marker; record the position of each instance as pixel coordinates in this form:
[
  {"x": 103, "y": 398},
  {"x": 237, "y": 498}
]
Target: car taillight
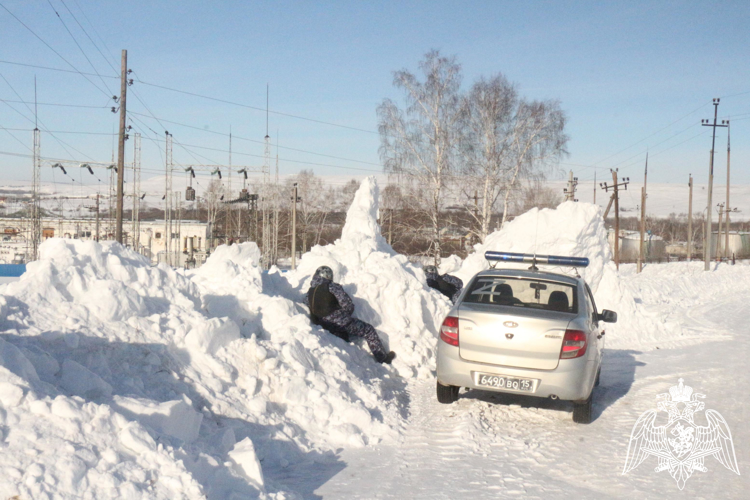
[
  {"x": 449, "y": 331},
  {"x": 574, "y": 344}
]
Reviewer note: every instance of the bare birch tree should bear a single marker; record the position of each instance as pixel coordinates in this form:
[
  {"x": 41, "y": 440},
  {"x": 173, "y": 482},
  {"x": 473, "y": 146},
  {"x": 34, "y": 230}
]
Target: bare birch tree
[
  {"x": 537, "y": 141},
  {"x": 507, "y": 139},
  {"x": 488, "y": 119},
  {"x": 420, "y": 141},
  {"x": 312, "y": 210}
]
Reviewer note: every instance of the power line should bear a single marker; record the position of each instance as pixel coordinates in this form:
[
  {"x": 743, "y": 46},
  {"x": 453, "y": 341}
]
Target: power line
[
  {"x": 58, "y": 131},
  {"x": 61, "y": 70},
  {"x": 57, "y": 104},
  {"x": 16, "y": 138},
  {"x": 44, "y": 127},
  {"x": 280, "y": 113},
  {"x": 261, "y": 142},
  {"x": 649, "y": 136},
  {"x": 78, "y": 45},
  {"x": 87, "y": 35},
  {"x": 53, "y": 50}
]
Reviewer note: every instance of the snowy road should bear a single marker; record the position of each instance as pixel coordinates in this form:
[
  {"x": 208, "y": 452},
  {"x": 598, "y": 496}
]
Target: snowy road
[{"x": 490, "y": 445}]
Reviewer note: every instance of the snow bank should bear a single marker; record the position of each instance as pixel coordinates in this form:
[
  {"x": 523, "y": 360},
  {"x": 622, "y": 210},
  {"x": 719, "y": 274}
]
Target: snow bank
[
  {"x": 577, "y": 229},
  {"x": 182, "y": 384},
  {"x": 572, "y": 229},
  {"x": 108, "y": 370},
  {"x": 388, "y": 292}
]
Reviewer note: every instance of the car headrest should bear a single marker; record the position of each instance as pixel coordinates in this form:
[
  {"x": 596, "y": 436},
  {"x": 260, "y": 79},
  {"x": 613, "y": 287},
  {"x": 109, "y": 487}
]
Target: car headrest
[{"x": 558, "y": 301}]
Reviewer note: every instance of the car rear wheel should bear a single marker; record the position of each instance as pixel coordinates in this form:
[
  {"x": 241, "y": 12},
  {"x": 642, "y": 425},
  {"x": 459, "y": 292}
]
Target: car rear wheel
[
  {"x": 447, "y": 394},
  {"x": 582, "y": 411}
]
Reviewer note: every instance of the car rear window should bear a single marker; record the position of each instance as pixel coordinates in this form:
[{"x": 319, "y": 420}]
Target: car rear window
[{"x": 523, "y": 292}]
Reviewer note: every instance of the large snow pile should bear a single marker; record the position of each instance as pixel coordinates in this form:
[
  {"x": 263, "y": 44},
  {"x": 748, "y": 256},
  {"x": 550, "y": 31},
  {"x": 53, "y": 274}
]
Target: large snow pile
[
  {"x": 95, "y": 396},
  {"x": 572, "y": 229},
  {"x": 388, "y": 291},
  {"x": 122, "y": 379},
  {"x": 577, "y": 229}
]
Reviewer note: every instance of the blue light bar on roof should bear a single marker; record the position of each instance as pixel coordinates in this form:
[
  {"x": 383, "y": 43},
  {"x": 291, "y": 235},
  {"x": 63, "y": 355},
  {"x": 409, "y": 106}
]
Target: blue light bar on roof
[{"x": 529, "y": 258}]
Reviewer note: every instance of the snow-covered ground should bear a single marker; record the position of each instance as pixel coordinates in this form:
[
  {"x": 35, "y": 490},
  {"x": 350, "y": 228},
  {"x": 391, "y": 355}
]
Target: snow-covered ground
[
  {"x": 498, "y": 446},
  {"x": 118, "y": 379}
]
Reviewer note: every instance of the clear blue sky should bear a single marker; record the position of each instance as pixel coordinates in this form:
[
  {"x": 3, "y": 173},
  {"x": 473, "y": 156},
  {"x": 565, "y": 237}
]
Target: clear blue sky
[{"x": 624, "y": 72}]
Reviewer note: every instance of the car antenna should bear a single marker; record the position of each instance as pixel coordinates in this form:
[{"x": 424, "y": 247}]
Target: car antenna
[
  {"x": 536, "y": 233},
  {"x": 533, "y": 263}
]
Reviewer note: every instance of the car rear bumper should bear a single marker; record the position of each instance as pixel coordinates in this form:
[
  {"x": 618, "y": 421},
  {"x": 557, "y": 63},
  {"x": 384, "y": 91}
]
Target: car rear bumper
[{"x": 572, "y": 380}]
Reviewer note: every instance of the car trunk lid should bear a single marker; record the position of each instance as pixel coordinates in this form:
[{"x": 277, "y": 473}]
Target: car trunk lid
[{"x": 511, "y": 336}]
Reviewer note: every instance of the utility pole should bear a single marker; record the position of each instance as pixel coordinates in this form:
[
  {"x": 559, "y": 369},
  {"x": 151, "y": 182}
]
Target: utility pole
[
  {"x": 295, "y": 199},
  {"x": 168, "y": 197},
  {"x": 121, "y": 145},
  {"x": 707, "y": 238},
  {"x": 690, "y": 221},
  {"x": 643, "y": 216},
  {"x": 36, "y": 211},
  {"x": 594, "y": 187},
  {"x": 718, "y": 240},
  {"x": 97, "y": 217},
  {"x": 609, "y": 205},
  {"x": 136, "y": 238},
  {"x": 726, "y": 224},
  {"x": 616, "y": 198},
  {"x": 390, "y": 226},
  {"x": 570, "y": 191}
]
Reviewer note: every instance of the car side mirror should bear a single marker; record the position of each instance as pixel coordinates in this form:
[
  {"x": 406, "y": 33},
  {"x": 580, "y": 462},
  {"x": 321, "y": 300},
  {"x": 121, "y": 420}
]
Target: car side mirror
[{"x": 608, "y": 316}]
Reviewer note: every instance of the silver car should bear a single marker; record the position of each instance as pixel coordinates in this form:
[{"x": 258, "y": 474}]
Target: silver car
[{"x": 528, "y": 332}]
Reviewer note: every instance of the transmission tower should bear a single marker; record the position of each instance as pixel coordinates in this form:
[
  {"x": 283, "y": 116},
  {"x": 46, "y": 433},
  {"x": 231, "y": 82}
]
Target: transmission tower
[
  {"x": 230, "y": 219},
  {"x": 276, "y": 207},
  {"x": 265, "y": 199},
  {"x": 267, "y": 239},
  {"x": 36, "y": 223},
  {"x": 168, "y": 201}
]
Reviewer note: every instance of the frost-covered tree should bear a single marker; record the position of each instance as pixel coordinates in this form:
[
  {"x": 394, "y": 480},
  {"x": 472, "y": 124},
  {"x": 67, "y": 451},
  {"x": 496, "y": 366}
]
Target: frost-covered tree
[
  {"x": 507, "y": 139},
  {"x": 313, "y": 207},
  {"x": 419, "y": 141}
]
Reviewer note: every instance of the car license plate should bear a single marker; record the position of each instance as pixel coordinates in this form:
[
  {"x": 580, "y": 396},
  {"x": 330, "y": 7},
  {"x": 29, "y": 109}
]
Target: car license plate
[{"x": 505, "y": 383}]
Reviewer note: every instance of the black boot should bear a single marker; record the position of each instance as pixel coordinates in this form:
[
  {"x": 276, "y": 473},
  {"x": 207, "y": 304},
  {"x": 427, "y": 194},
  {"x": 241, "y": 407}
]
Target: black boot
[{"x": 388, "y": 358}]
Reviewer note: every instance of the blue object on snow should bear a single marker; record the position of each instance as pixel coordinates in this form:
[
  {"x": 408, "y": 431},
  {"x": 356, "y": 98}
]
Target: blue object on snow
[
  {"x": 530, "y": 258},
  {"x": 12, "y": 270}
]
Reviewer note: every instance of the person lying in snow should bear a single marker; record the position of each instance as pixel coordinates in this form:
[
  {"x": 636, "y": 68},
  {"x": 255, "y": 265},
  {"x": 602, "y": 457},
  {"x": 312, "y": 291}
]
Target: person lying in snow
[
  {"x": 331, "y": 308},
  {"x": 448, "y": 285}
]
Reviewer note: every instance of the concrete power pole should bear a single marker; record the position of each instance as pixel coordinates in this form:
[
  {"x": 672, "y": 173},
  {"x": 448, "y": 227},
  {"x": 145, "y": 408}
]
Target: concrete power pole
[
  {"x": 726, "y": 223},
  {"x": 121, "y": 145},
  {"x": 718, "y": 234},
  {"x": 295, "y": 199},
  {"x": 97, "y": 217},
  {"x": 707, "y": 238},
  {"x": 594, "y": 188},
  {"x": 643, "y": 217},
  {"x": 570, "y": 191},
  {"x": 616, "y": 199},
  {"x": 690, "y": 220},
  {"x": 617, "y": 221}
]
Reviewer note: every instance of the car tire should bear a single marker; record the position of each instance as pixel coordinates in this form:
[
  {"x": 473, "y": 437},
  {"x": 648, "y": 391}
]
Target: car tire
[
  {"x": 582, "y": 411},
  {"x": 447, "y": 394}
]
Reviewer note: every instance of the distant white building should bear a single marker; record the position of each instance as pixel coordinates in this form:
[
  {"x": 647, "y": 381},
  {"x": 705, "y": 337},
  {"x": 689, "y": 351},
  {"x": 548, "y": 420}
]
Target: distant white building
[
  {"x": 654, "y": 247},
  {"x": 188, "y": 242}
]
